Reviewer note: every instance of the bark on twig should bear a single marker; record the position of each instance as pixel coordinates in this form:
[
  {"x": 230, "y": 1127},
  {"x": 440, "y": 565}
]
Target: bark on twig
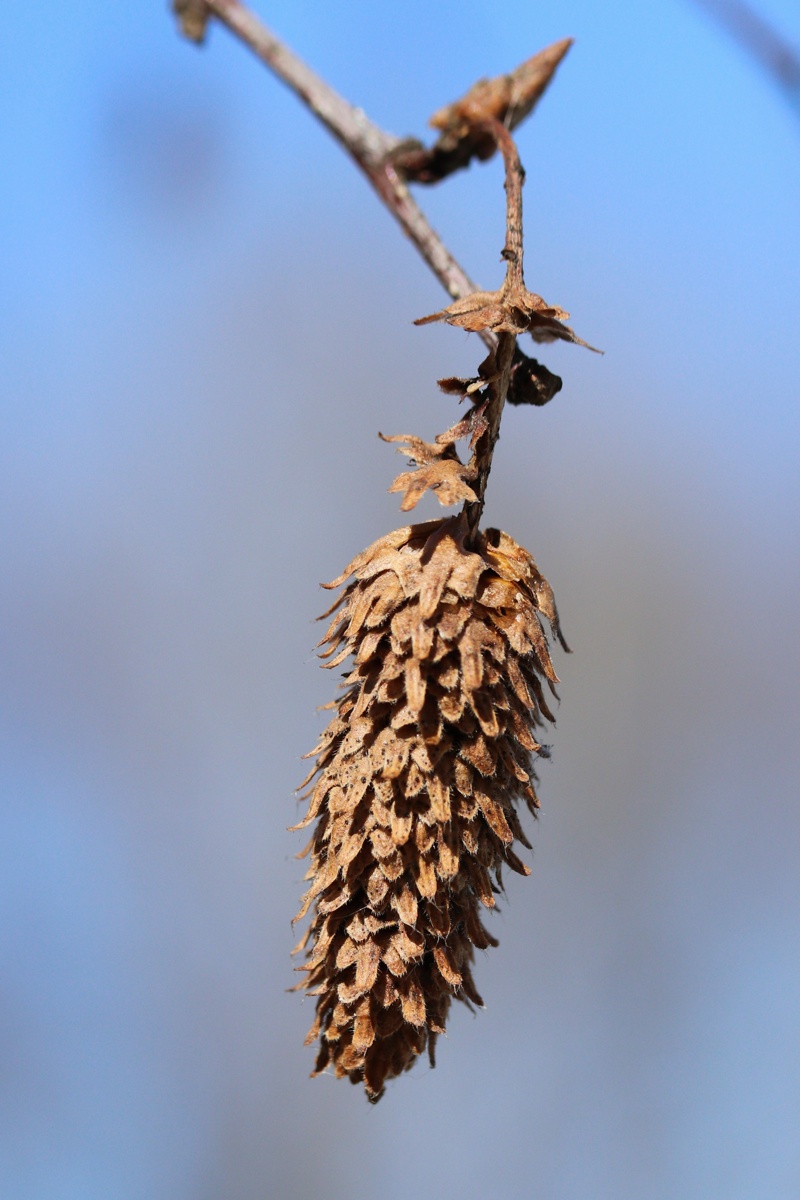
[
  {"x": 506, "y": 342},
  {"x": 360, "y": 136}
]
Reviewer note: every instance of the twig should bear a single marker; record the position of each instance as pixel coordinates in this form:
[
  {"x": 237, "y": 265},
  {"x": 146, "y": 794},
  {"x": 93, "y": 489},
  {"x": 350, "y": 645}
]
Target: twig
[
  {"x": 367, "y": 143},
  {"x": 473, "y": 127},
  {"x": 503, "y": 356},
  {"x": 387, "y": 161},
  {"x": 515, "y": 177},
  {"x": 395, "y": 194},
  {"x": 369, "y": 146}
]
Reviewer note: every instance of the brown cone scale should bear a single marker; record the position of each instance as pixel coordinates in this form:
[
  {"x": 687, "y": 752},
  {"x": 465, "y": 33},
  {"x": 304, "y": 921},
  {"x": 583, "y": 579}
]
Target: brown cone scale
[{"x": 416, "y": 786}]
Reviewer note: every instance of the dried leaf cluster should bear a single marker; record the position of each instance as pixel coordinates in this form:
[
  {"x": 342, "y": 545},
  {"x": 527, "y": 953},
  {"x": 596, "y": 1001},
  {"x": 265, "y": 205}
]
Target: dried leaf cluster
[{"x": 436, "y": 465}]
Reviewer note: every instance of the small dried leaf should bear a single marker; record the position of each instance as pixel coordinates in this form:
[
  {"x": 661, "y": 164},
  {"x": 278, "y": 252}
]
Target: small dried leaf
[
  {"x": 363, "y": 1031},
  {"x": 495, "y": 816},
  {"x": 406, "y": 906},
  {"x": 415, "y": 685},
  {"x": 401, "y": 827},
  {"x": 461, "y": 429},
  {"x": 512, "y": 309},
  {"x": 367, "y": 964},
  {"x": 391, "y": 541},
  {"x": 447, "y": 479},
  {"x": 416, "y": 448},
  {"x": 455, "y": 386},
  {"x": 426, "y": 878},
  {"x": 409, "y": 943},
  {"x": 449, "y": 861},
  {"x": 413, "y": 1003}
]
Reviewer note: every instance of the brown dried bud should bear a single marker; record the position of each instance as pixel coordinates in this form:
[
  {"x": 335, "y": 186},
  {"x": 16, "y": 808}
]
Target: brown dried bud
[
  {"x": 530, "y": 382},
  {"x": 419, "y": 777},
  {"x": 193, "y": 16},
  {"x": 506, "y": 98}
]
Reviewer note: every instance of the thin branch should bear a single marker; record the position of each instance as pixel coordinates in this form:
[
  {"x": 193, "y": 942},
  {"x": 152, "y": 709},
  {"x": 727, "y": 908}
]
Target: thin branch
[
  {"x": 369, "y": 146},
  {"x": 503, "y": 357},
  {"x": 515, "y": 177},
  {"x": 387, "y": 161},
  {"x": 351, "y": 127},
  {"x": 394, "y": 192}
]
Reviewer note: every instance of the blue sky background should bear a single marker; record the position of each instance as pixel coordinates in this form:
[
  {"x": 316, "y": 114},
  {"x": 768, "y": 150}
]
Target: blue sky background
[{"x": 205, "y": 320}]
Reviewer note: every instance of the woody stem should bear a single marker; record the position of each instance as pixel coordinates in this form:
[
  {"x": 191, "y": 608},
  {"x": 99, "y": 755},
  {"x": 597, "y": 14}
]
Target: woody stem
[
  {"x": 499, "y": 372},
  {"x": 515, "y": 177}
]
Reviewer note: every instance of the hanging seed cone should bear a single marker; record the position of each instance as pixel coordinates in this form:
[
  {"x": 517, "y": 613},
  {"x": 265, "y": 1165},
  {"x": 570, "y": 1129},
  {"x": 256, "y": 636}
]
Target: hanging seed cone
[{"x": 419, "y": 775}]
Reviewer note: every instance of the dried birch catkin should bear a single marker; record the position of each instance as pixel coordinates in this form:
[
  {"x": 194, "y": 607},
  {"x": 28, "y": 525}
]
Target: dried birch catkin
[
  {"x": 418, "y": 778},
  {"x": 420, "y": 774}
]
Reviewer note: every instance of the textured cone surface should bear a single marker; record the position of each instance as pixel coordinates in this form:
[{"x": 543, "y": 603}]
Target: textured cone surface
[{"x": 416, "y": 784}]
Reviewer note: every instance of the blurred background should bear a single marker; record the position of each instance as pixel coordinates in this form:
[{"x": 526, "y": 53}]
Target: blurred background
[{"x": 206, "y": 318}]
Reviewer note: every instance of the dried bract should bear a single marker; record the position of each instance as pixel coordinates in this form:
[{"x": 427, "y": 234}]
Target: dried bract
[
  {"x": 511, "y": 309},
  {"x": 507, "y": 98},
  {"x": 437, "y": 467},
  {"x": 416, "y": 785}
]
